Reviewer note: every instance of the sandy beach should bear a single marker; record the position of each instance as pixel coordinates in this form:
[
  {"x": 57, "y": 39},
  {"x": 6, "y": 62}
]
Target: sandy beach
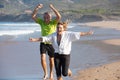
[
  {"x": 98, "y": 55},
  {"x": 107, "y": 24},
  {"x": 105, "y": 72},
  {"x": 108, "y": 71}
]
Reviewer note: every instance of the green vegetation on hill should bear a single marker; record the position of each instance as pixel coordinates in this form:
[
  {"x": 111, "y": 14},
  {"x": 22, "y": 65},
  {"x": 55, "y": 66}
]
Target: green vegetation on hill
[{"x": 20, "y": 10}]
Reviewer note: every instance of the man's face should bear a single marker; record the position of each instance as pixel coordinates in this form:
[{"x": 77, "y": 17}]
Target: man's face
[{"x": 47, "y": 18}]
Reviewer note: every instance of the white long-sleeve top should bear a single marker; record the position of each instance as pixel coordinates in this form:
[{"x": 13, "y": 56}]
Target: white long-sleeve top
[{"x": 65, "y": 43}]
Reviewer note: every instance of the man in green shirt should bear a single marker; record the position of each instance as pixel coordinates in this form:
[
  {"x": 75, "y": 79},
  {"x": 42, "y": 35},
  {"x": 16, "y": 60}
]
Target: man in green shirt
[{"x": 48, "y": 26}]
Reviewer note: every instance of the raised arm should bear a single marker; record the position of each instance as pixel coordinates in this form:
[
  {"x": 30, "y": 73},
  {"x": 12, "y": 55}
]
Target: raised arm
[
  {"x": 86, "y": 33},
  {"x": 35, "y": 39},
  {"x": 34, "y": 15},
  {"x": 58, "y": 16}
]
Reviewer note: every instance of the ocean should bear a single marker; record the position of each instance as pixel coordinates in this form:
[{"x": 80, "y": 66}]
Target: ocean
[
  {"x": 17, "y": 31},
  {"x": 20, "y": 59},
  {"x": 22, "y": 31}
]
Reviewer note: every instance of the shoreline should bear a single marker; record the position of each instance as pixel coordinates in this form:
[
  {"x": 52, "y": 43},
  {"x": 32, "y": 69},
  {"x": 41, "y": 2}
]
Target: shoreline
[
  {"x": 109, "y": 71},
  {"x": 107, "y": 24},
  {"x": 18, "y": 55}
]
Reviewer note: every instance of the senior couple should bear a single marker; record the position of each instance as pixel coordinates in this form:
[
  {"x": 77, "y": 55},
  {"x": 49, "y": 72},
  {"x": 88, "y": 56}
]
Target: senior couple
[{"x": 56, "y": 42}]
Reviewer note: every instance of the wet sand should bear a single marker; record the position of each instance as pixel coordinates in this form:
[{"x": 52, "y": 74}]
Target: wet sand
[
  {"x": 21, "y": 59},
  {"x": 109, "y": 71}
]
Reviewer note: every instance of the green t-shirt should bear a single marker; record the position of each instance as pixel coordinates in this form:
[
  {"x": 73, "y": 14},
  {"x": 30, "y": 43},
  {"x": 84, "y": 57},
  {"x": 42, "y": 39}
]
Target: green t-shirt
[{"x": 47, "y": 29}]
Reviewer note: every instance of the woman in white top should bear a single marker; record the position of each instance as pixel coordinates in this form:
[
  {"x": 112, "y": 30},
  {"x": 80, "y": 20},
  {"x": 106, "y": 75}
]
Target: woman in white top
[{"x": 61, "y": 41}]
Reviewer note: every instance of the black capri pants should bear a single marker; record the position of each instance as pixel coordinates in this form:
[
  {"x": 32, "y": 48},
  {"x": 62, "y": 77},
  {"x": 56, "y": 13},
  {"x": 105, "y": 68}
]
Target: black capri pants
[{"x": 62, "y": 63}]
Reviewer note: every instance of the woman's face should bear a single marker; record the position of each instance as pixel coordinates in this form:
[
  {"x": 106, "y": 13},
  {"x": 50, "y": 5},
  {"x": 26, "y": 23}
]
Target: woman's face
[{"x": 60, "y": 29}]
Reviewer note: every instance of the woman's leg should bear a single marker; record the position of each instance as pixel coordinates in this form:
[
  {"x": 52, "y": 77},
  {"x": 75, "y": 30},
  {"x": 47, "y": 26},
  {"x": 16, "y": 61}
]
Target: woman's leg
[
  {"x": 57, "y": 66},
  {"x": 59, "y": 78},
  {"x": 65, "y": 65}
]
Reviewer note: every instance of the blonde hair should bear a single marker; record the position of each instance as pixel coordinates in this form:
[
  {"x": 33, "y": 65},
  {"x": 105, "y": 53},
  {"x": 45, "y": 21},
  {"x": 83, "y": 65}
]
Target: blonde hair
[{"x": 64, "y": 24}]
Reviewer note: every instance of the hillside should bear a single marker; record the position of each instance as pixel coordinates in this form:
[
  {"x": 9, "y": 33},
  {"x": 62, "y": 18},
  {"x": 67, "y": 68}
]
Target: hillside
[{"x": 20, "y": 10}]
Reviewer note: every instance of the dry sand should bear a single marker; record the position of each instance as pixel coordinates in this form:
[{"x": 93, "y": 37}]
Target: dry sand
[
  {"x": 25, "y": 57},
  {"x": 109, "y": 71},
  {"x": 105, "y": 24},
  {"x": 104, "y": 72},
  {"x": 113, "y": 42}
]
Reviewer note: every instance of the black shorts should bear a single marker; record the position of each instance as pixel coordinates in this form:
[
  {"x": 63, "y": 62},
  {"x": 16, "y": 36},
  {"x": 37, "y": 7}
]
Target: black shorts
[{"x": 47, "y": 49}]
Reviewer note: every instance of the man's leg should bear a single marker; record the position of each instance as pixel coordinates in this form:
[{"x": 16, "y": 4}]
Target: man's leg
[
  {"x": 43, "y": 59},
  {"x": 50, "y": 51},
  {"x": 44, "y": 65},
  {"x": 51, "y": 59}
]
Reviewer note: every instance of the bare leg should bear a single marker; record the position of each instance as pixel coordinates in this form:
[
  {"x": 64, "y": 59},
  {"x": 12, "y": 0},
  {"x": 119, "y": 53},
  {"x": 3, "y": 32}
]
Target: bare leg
[
  {"x": 44, "y": 65},
  {"x": 51, "y": 67},
  {"x": 69, "y": 72},
  {"x": 59, "y": 78}
]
